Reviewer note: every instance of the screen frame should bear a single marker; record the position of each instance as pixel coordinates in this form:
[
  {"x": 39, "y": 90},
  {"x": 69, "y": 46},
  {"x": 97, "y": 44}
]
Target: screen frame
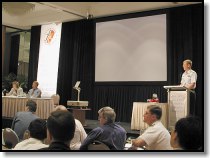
[{"x": 136, "y": 15}]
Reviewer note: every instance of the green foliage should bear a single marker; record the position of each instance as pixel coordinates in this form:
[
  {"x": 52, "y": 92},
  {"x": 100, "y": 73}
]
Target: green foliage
[
  {"x": 23, "y": 82},
  {"x": 7, "y": 81}
]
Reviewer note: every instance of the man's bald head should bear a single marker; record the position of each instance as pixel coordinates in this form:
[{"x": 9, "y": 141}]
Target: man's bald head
[{"x": 60, "y": 107}]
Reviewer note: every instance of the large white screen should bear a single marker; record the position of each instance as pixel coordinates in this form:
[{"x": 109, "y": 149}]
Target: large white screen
[{"x": 131, "y": 49}]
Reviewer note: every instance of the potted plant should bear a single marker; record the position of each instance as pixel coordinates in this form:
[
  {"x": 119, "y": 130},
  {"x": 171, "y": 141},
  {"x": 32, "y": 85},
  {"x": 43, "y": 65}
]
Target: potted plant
[{"x": 7, "y": 82}]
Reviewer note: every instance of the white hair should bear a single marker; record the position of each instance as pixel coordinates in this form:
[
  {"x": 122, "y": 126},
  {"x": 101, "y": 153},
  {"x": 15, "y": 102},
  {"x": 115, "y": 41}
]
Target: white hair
[{"x": 188, "y": 61}]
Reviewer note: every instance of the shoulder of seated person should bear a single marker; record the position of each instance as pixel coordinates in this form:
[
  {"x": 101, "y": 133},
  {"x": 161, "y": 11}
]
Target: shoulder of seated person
[
  {"x": 77, "y": 122},
  {"x": 20, "y": 112},
  {"x": 97, "y": 129},
  {"x": 47, "y": 148},
  {"x": 23, "y": 112}
]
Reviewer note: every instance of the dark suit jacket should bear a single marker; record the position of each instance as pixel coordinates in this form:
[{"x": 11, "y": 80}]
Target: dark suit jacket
[
  {"x": 57, "y": 146},
  {"x": 21, "y": 122}
]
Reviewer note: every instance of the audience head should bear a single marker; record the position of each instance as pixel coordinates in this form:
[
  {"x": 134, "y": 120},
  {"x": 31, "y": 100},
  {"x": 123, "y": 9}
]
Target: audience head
[
  {"x": 15, "y": 85},
  {"x": 60, "y": 107},
  {"x": 35, "y": 84},
  {"x": 61, "y": 126},
  {"x": 152, "y": 114},
  {"x": 187, "y": 133},
  {"x": 31, "y": 106},
  {"x": 187, "y": 64},
  {"x": 38, "y": 129},
  {"x": 106, "y": 115}
]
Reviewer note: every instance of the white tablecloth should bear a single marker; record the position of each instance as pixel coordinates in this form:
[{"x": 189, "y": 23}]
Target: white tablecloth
[
  {"x": 11, "y": 105},
  {"x": 139, "y": 109}
]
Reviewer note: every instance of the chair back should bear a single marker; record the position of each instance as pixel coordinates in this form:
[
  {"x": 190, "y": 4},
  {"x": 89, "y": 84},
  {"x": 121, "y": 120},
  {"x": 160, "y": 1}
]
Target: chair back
[
  {"x": 26, "y": 135},
  {"x": 97, "y": 145},
  {"x": 10, "y": 138},
  {"x": 56, "y": 99},
  {"x": 3, "y": 143}
]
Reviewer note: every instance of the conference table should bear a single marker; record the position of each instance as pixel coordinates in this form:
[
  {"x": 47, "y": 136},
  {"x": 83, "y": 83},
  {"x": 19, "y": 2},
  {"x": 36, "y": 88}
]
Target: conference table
[
  {"x": 11, "y": 105},
  {"x": 139, "y": 109}
]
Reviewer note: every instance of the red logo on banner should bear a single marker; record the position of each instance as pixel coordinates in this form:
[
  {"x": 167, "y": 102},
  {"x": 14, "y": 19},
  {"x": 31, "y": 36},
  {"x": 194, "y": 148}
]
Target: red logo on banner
[{"x": 50, "y": 35}]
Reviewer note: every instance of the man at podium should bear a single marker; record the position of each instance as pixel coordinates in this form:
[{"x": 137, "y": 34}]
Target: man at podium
[{"x": 189, "y": 78}]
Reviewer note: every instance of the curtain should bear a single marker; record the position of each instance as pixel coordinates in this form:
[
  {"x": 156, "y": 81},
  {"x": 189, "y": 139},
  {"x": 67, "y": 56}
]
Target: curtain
[
  {"x": 3, "y": 45},
  {"x": 76, "y": 60},
  {"x": 185, "y": 41},
  {"x": 121, "y": 98},
  {"x": 14, "y": 54},
  {"x": 34, "y": 54}
]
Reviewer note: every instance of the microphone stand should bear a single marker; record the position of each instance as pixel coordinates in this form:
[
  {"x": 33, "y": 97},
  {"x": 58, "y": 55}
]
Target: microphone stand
[{"x": 78, "y": 92}]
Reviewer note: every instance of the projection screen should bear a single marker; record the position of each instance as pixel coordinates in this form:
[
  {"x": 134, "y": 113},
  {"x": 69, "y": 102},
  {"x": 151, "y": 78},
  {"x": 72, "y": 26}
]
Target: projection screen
[{"x": 131, "y": 49}]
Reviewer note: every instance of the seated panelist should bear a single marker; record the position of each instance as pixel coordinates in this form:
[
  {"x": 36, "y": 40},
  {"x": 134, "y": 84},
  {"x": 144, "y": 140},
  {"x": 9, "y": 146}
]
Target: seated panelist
[
  {"x": 35, "y": 92},
  {"x": 16, "y": 89}
]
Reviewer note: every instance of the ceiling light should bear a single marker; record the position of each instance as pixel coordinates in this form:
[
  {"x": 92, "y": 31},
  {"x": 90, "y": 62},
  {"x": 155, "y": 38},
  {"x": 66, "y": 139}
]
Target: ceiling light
[{"x": 17, "y": 8}]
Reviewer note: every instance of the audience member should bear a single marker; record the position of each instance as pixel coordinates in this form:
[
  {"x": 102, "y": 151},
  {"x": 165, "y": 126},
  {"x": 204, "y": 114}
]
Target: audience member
[
  {"x": 16, "y": 89},
  {"x": 22, "y": 120},
  {"x": 35, "y": 92},
  {"x": 37, "y": 134},
  {"x": 79, "y": 134},
  {"x": 60, "y": 127},
  {"x": 187, "y": 134},
  {"x": 156, "y": 136},
  {"x": 110, "y": 133}
]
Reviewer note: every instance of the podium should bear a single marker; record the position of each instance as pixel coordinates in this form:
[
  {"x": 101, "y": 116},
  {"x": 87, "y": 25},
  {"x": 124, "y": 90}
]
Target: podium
[
  {"x": 178, "y": 102},
  {"x": 80, "y": 104},
  {"x": 79, "y": 109}
]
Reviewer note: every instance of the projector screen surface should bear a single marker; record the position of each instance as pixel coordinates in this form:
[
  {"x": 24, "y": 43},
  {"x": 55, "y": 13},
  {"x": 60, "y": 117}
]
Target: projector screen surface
[{"x": 131, "y": 49}]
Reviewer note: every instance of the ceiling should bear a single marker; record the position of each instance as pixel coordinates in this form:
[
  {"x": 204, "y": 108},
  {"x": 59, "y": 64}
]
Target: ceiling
[{"x": 50, "y": 12}]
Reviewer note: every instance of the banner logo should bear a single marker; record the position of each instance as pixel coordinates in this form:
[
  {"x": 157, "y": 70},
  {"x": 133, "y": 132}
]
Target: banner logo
[{"x": 50, "y": 36}]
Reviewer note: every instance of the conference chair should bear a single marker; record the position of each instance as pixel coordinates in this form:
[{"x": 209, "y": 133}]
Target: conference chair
[
  {"x": 10, "y": 138},
  {"x": 26, "y": 134},
  {"x": 56, "y": 99},
  {"x": 97, "y": 145}
]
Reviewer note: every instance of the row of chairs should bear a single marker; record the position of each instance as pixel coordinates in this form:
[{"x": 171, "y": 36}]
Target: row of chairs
[
  {"x": 10, "y": 140},
  {"x": 56, "y": 99}
]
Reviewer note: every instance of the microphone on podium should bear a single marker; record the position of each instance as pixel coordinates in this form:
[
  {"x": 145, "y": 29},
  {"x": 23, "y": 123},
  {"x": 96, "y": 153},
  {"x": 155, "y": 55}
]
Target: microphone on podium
[
  {"x": 77, "y": 85},
  {"x": 78, "y": 89}
]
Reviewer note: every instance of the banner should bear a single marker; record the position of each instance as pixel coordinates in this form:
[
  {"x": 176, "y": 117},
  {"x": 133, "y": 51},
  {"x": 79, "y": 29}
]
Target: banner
[{"x": 49, "y": 58}]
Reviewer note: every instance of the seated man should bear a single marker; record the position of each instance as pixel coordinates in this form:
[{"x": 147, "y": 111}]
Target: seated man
[
  {"x": 187, "y": 134},
  {"x": 156, "y": 136},
  {"x": 38, "y": 132},
  {"x": 22, "y": 120},
  {"x": 111, "y": 134},
  {"x": 35, "y": 92},
  {"x": 60, "y": 127},
  {"x": 79, "y": 134}
]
